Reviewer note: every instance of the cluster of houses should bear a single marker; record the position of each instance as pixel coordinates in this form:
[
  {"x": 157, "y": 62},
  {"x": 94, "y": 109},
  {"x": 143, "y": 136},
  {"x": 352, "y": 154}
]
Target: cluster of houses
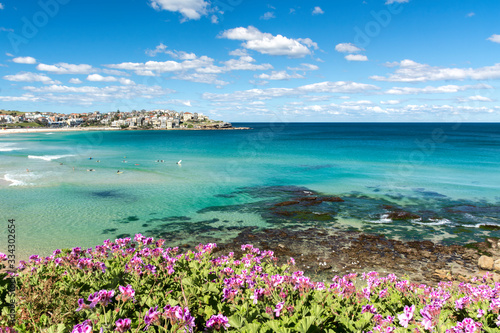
[{"x": 155, "y": 119}]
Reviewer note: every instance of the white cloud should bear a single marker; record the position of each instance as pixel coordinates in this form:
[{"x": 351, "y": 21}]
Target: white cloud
[
  {"x": 2, "y": 6},
  {"x": 25, "y": 60},
  {"x": 304, "y": 67},
  {"x": 411, "y": 71},
  {"x": 470, "y": 14},
  {"x": 267, "y": 16},
  {"x": 23, "y": 98},
  {"x": 190, "y": 9},
  {"x": 6, "y": 29},
  {"x": 157, "y": 67},
  {"x": 88, "y": 95},
  {"x": 338, "y": 87},
  {"x": 159, "y": 49},
  {"x": 476, "y": 98},
  {"x": 494, "y": 38},
  {"x": 356, "y": 57},
  {"x": 100, "y": 78},
  {"x": 317, "y": 11},
  {"x": 245, "y": 63},
  {"x": 75, "y": 81},
  {"x": 29, "y": 77},
  {"x": 266, "y": 43},
  {"x": 193, "y": 68},
  {"x": 201, "y": 78},
  {"x": 178, "y": 102},
  {"x": 269, "y": 93},
  {"x": 126, "y": 81},
  {"x": 390, "y": 102},
  {"x": 181, "y": 55},
  {"x": 347, "y": 48},
  {"x": 389, "y": 2},
  {"x": 238, "y": 52},
  {"x": 65, "y": 68},
  {"x": 279, "y": 75},
  {"x": 435, "y": 90}
]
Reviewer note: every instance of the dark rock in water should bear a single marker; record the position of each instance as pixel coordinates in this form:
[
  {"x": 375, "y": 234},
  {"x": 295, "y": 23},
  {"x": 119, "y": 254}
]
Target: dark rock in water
[
  {"x": 308, "y": 199},
  {"x": 225, "y": 196},
  {"x": 402, "y": 215},
  {"x": 318, "y": 167},
  {"x": 473, "y": 209},
  {"x": 285, "y": 213},
  {"x": 105, "y": 194},
  {"x": 286, "y": 203},
  {"x": 332, "y": 199},
  {"x": 426, "y": 193},
  {"x": 490, "y": 227},
  {"x": 145, "y": 225},
  {"x": 210, "y": 221},
  {"x": 122, "y": 235},
  {"x": 170, "y": 219},
  {"x": 132, "y": 218},
  {"x": 107, "y": 231},
  {"x": 275, "y": 191}
]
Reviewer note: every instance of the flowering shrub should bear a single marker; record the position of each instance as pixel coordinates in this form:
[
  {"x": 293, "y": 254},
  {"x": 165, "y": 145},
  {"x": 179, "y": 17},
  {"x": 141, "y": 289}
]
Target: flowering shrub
[{"x": 139, "y": 286}]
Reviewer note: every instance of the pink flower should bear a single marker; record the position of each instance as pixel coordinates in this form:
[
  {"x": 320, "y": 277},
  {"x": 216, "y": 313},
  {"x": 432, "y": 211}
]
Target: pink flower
[
  {"x": 217, "y": 322},
  {"x": 127, "y": 292},
  {"x": 407, "y": 316},
  {"x": 278, "y": 308},
  {"x": 122, "y": 325},
  {"x": 84, "y": 327},
  {"x": 368, "y": 308},
  {"x": 151, "y": 317},
  {"x": 3, "y": 256}
]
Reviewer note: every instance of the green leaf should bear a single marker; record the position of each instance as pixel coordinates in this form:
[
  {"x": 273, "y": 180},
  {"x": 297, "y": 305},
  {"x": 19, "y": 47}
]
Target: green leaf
[
  {"x": 252, "y": 328},
  {"x": 187, "y": 282},
  {"x": 236, "y": 321},
  {"x": 56, "y": 329},
  {"x": 305, "y": 323}
]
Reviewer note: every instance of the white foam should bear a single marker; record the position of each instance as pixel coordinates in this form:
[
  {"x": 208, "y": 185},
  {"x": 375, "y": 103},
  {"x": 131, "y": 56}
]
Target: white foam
[
  {"x": 6, "y": 146},
  {"x": 486, "y": 225},
  {"x": 384, "y": 218},
  {"x": 433, "y": 222},
  {"x": 13, "y": 181},
  {"x": 49, "y": 157}
]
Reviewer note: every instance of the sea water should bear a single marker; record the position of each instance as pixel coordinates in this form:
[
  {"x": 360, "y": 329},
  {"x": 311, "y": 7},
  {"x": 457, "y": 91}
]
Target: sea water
[{"x": 447, "y": 174}]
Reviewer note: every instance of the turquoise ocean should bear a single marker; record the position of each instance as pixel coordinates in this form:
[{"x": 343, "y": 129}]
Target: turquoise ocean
[{"x": 446, "y": 174}]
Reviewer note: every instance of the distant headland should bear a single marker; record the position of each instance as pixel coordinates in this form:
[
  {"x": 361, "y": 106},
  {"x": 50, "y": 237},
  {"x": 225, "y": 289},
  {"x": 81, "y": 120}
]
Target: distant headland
[{"x": 16, "y": 121}]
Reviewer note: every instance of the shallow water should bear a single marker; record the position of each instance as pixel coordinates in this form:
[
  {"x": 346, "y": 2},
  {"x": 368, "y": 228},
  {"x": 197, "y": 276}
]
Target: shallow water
[{"x": 444, "y": 173}]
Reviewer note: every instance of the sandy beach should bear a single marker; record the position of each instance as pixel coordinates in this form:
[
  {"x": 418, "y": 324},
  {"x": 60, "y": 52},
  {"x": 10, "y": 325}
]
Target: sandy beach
[{"x": 40, "y": 130}]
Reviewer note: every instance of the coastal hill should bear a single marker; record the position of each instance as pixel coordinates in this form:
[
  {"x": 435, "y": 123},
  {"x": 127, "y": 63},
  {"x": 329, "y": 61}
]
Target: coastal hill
[{"x": 154, "y": 119}]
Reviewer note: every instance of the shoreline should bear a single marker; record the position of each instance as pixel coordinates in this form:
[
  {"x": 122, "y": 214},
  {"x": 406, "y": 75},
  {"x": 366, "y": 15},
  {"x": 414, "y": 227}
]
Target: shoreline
[{"x": 89, "y": 129}]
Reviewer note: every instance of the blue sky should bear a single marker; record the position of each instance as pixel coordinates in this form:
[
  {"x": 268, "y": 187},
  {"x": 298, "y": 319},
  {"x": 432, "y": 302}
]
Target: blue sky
[{"x": 240, "y": 60}]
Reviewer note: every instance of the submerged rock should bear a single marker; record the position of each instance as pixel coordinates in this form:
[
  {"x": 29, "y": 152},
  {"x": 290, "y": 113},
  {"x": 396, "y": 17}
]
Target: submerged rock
[{"x": 402, "y": 215}]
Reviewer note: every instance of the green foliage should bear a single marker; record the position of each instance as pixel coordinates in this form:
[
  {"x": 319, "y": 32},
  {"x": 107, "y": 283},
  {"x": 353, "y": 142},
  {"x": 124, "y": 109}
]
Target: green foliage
[{"x": 180, "y": 292}]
